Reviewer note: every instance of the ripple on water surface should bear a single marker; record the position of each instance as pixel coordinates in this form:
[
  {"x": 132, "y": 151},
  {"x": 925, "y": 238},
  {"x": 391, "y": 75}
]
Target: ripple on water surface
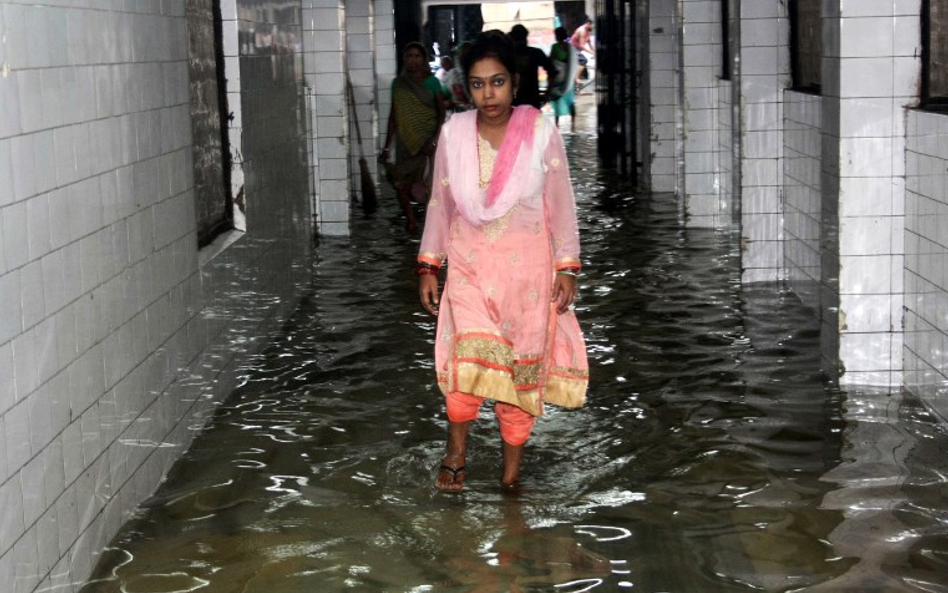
[{"x": 711, "y": 457}]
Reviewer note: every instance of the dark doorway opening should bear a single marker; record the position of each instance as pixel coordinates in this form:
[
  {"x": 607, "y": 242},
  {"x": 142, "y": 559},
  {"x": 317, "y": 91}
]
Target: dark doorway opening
[
  {"x": 209, "y": 118},
  {"x": 617, "y": 75}
]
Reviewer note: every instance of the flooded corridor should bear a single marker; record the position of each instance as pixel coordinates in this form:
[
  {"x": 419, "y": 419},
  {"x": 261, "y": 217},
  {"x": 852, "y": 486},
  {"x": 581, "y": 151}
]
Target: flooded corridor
[{"x": 712, "y": 456}]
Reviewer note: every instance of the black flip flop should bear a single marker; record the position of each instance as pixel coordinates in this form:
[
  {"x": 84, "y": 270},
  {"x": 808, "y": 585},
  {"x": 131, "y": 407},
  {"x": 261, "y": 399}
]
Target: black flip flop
[{"x": 454, "y": 471}]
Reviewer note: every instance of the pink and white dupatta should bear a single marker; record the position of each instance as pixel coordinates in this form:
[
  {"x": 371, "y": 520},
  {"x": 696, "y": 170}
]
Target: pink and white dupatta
[{"x": 478, "y": 205}]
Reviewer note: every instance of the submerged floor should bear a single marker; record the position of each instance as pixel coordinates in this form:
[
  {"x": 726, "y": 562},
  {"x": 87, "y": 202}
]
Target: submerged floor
[{"x": 711, "y": 457}]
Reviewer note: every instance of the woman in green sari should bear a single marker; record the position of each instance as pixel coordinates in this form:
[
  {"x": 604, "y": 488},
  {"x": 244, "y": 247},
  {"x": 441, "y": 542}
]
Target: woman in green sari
[{"x": 414, "y": 123}]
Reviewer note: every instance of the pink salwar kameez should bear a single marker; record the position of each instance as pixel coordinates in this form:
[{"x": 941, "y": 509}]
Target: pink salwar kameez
[{"x": 505, "y": 222}]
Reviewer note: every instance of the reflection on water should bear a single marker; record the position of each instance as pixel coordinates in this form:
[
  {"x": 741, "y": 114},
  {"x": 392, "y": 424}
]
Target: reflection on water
[{"x": 712, "y": 456}]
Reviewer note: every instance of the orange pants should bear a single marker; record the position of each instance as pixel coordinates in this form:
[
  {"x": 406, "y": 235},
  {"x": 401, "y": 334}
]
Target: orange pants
[{"x": 515, "y": 424}]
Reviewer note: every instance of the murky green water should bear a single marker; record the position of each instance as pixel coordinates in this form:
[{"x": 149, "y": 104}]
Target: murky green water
[{"x": 711, "y": 457}]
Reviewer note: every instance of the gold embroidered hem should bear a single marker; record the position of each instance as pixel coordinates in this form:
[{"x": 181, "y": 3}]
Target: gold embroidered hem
[
  {"x": 492, "y": 384},
  {"x": 567, "y": 387},
  {"x": 487, "y": 349},
  {"x": 484, "y": 365}
]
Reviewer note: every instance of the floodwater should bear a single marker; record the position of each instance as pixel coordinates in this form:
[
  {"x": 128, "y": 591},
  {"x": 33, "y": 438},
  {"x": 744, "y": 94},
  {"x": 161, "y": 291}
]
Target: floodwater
[{"x": 712, "y": 455}]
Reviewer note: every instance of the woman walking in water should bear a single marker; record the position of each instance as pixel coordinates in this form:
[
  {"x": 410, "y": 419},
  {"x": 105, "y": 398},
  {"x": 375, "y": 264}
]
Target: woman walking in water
[
  {"x": 502, "y": 215},
  {"x": 415, "y": 121},
  {"x": 562, "y": 91}
]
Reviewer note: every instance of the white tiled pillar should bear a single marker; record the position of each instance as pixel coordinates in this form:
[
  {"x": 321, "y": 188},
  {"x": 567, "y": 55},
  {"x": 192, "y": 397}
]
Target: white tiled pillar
[
  {"x": 803, "y": 193},
  {"x": 663, "y": 85},
  {"x": 324, "y": 45},
  {"x": 231, "y": 34},
  {"x": 311, "y": 66},
  {"x": 765, "y": 68},
  {"x": 386, "y": 64},
  {"x": 701, "y": 53},
  {"x": 360, "y": 62},
  {"x": 926, "y": 258},
  {"x": 727, "y": 147},
  {"x": 870, "y": 71}
]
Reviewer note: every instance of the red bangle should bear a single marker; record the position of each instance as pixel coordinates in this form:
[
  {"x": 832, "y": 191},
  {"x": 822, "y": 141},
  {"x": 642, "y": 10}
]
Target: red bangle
[{"x": 425, "y": 270}]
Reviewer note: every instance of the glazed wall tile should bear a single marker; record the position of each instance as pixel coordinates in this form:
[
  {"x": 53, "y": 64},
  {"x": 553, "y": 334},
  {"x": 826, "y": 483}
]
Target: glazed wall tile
[{"x": 105, "y": 305}]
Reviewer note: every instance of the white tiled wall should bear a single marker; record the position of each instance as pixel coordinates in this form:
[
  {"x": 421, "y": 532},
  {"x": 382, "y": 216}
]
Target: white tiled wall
[
  {"x": 386, "y": 64},
  {"x": 764, "y": 74},
  {"x": 926, "y": 258},
  {"x": 726, "y": 149},
  {"x": 360, "y": 59},
  {"x": 870, "y": 74},
  {"x": 829, "y": 191},
  {"x": 324, "y": 45},
  {"x": 821, "y": 184},
  {"x": 115, "y": 342},
  {"x": 231, "y": 49},
  {"x": 701, "y": 56},
  {"x": 802, "y": 193},
  {"x": 707, "y": 156},
  {"x": 663, "y": 72}
]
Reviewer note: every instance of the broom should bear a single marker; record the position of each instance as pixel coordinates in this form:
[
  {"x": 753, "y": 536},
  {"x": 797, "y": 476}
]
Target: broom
[{"x": 369, "y": 200}]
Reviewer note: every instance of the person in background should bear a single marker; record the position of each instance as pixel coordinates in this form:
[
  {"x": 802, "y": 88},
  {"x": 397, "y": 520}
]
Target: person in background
[
  {"x": 502, "y": 213},
  {"x": 414, "y": 123},
  {"x": 562, "y": 86},
  {"x": 529, "y": 60},
  {"x": 456, "y": 84},
  {"x": 581, "y": 40},
  {"x": 447, "y": 64}
]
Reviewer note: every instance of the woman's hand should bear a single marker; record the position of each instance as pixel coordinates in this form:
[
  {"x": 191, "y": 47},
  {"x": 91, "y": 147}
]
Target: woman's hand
[
  {"x": 428, "y": 291},
  {"x": 564, "y": 292}
]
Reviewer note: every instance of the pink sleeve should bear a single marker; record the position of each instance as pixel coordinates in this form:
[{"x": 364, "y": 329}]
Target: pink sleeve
[
  {"x": 440, "y": 211},
  {"x": 560, "y": 204}
]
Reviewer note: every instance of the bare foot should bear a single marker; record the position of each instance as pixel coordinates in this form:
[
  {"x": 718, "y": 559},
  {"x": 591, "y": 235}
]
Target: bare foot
[{"x": 512, "y": 454}]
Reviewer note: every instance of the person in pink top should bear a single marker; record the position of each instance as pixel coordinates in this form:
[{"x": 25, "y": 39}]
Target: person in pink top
[
  {"x": 502, "y": 216},
  {"x": 581, "y": 40}
]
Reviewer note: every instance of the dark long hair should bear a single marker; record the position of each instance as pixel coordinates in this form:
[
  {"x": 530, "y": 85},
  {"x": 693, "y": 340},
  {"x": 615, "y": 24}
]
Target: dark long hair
[{"x": 490, "y": 44}]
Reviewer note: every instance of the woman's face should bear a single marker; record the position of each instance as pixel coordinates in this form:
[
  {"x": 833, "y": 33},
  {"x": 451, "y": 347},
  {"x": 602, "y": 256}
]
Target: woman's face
[
  {"x": 413, "y": 59},
  {"x": 492, "y": 88}
]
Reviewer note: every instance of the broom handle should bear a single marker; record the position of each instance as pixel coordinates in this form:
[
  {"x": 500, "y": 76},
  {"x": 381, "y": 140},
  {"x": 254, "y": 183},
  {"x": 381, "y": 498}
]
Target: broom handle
[{"x": 355, "y": 116}]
